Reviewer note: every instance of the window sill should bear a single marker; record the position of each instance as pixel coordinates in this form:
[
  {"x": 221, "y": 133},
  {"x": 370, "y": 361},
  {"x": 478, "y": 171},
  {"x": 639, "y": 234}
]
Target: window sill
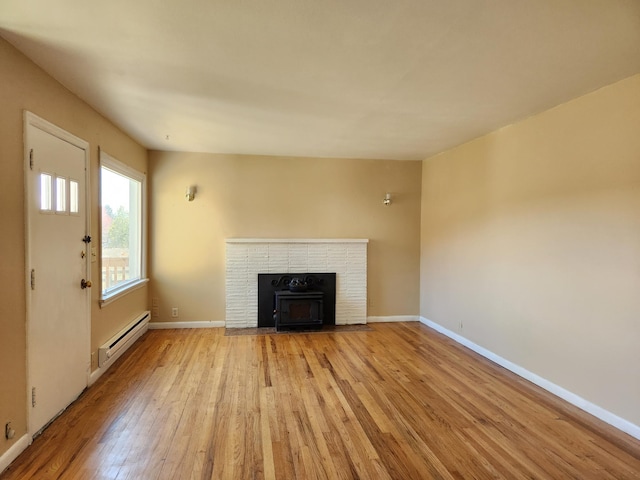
[{"x": 122, "y": 291}]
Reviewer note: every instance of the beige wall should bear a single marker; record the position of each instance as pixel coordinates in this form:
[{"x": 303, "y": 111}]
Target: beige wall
[
  {"x": 531, "y": 245},
  {"x": 23, "y": 86},
  {"x": 273, "y": 197}
]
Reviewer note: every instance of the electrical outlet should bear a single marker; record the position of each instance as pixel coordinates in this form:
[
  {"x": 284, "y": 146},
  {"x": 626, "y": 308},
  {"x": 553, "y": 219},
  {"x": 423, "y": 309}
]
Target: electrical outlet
[
  {"x": 155, "y": 311},
  {"x": 155, "y": 302},
  {"x": 174, "y": 312}
]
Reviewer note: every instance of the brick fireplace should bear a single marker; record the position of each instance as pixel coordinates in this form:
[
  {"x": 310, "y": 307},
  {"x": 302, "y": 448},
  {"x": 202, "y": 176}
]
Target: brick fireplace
[{"x": 247, "y": 257}]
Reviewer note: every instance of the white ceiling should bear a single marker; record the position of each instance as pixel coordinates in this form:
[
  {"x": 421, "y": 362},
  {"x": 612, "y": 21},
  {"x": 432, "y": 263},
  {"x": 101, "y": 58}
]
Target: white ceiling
[{"x": 393, "y": 79}]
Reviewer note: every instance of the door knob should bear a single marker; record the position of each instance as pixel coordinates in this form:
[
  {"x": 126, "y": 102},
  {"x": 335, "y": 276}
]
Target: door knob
[{"x": 85, "y": 284}]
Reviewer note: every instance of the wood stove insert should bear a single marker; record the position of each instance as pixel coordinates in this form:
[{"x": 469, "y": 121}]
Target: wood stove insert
[{"x": 296, "y": 300}]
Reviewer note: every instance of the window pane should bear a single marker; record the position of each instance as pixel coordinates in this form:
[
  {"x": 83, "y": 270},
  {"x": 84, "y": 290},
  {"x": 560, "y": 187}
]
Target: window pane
[
  {"x": 61, "y": 194},
  {"x": 73, "y": 196},
  {"x": 45, "y": 191},
  {"x": 121, "y": 229}
]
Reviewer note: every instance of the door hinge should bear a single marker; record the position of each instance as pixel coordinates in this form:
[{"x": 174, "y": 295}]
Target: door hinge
[
  {"x": 33, "y": 396},
  {"x": 33, "y": 279},
  {"x": 31, "y": 159},
  {"x": 87, "y": 239}
]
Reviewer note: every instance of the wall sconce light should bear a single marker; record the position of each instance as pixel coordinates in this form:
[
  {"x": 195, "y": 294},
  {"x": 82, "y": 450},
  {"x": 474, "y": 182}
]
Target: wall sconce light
[
  {"x": 190, "y": 193},
  {"x": 387, "y": 199}
]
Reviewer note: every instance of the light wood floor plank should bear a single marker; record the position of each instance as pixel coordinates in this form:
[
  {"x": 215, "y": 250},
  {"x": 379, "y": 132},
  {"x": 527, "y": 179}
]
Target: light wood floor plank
[{"x": 398, "y": 402}]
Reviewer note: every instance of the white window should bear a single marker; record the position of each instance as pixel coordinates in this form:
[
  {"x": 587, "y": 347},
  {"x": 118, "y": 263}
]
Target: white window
[{"x": 122, "y": 193}]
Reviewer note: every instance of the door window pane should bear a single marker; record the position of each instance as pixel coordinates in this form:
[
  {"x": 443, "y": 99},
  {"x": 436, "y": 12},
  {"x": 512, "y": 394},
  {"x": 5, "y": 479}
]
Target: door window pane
[
  {"x": 46, "y": 191},
  {"x": 61, "y": 194},
  {"x": 73, "y": 196}
]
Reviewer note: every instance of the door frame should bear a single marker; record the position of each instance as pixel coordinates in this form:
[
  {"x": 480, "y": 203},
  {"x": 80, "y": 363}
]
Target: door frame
[{"x": 32, "y": 120}]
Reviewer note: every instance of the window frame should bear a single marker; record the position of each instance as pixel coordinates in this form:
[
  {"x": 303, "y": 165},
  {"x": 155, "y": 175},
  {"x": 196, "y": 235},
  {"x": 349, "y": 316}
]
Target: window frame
[{"x": 115, "y": 165}]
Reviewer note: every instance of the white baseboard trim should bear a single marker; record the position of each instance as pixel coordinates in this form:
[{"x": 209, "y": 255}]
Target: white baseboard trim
[
  {"x": 96, "y": 374},
  {"x": 163, "y": 325},
  {"x": 14, "y": 450},
  {"x": 393, "y": 318},
  {"x": 598, "y": 412}
]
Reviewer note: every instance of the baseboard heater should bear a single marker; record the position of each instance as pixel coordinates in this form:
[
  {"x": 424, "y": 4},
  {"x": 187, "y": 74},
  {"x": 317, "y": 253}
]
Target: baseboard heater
[{"x": 123, "y": 339}]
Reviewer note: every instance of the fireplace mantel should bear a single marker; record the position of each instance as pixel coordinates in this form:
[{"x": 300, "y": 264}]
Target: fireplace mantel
[
  {"x": 297, "y": 240},
  {"x": 246, "y": 257}
]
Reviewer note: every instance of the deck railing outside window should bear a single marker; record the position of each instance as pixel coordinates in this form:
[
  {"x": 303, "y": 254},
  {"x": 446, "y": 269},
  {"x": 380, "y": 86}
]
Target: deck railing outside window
[{"x": 114, "y": 270}]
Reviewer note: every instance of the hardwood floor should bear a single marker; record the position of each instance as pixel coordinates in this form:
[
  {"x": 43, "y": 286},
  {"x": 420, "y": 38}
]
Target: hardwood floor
[{"x": 401, "y": 402}]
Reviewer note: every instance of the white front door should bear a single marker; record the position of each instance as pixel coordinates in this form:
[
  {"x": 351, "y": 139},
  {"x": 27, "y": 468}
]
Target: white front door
[{"x": 57, "y": 258}]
